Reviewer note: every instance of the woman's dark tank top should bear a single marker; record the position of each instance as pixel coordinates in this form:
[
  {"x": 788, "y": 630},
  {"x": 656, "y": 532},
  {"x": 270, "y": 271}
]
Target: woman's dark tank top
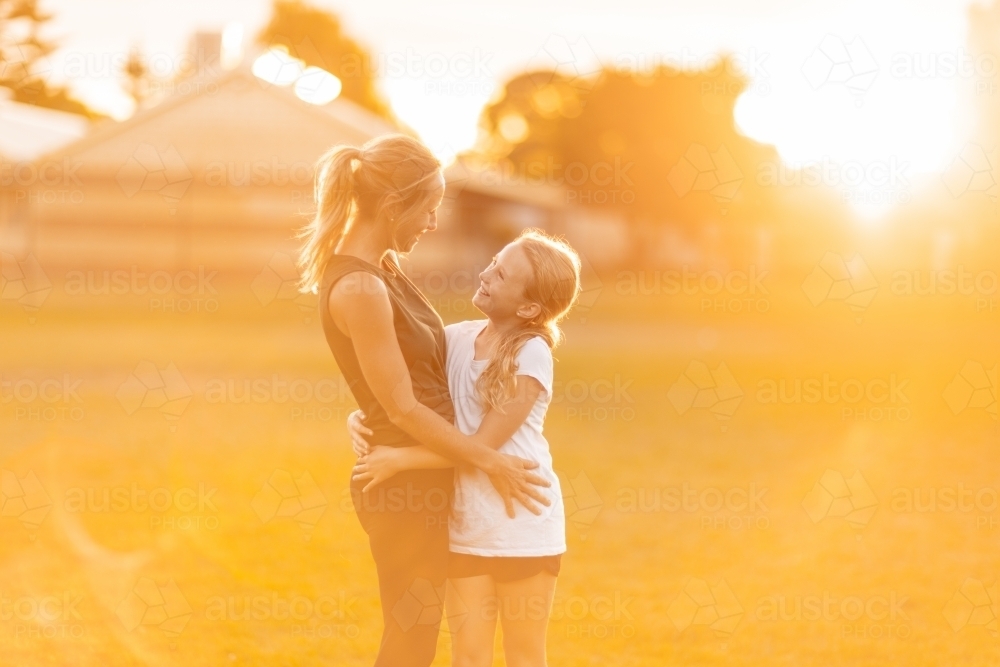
[{"x": 421, "y": 337}]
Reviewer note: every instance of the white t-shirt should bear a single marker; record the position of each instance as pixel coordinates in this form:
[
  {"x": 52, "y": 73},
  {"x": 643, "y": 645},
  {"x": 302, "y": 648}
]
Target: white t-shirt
[{"x": 479, "y": 524}]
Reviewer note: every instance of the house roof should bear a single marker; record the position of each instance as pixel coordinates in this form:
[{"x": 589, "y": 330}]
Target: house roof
[
  {"x": 232, "y": 117},
  {"x": 229, "y": 119},
  {"x": 30, "y": 131}
]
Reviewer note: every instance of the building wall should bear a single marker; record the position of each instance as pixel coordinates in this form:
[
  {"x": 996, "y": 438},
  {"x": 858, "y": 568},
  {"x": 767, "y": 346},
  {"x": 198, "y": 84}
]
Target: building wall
[{"x": 224, "y": 228}]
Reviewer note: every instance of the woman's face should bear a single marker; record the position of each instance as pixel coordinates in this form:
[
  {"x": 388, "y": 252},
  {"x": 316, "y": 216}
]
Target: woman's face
[
  {"x": 502, "y": 285},
  {"x": 423, "y": 221}
]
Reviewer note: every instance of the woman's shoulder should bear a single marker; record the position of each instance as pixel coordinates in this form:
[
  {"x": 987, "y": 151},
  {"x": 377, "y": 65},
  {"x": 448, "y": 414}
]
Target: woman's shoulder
[
  {"x": 350, "y": 283},
  {"x": 358, "y": 273}
]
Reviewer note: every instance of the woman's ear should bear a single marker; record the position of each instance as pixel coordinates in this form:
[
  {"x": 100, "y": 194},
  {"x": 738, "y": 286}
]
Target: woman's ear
[
  {"x": 529, "y": 311},
  {"x": 392, "y": 212}
]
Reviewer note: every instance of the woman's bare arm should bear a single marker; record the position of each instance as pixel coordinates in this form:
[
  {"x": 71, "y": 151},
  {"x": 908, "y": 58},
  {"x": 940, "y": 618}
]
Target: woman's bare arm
[
  {"x": 360, "y": 306},
  {"x": 496, "y": 428}
]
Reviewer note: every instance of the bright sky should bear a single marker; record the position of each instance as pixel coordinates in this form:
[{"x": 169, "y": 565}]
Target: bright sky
[{"x": 801, "y": 99}]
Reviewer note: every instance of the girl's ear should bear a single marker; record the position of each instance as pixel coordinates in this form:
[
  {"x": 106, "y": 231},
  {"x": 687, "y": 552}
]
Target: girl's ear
[{"x": 529, "y": 311}]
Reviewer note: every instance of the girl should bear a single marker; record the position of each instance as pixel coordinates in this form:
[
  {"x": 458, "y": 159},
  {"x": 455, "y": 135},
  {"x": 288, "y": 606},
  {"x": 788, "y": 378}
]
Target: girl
[
  {"x": 373, "y": 202},
  {"x": 500, "y": 379}
]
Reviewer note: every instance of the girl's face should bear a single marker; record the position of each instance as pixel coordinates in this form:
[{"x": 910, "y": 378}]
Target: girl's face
[
  {"x": 501, "y": 290},
  {"x": 423, "y": 221}
]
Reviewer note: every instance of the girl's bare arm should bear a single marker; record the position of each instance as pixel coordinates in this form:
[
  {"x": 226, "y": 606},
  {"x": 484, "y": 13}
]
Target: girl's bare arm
[{"x": 496, "y": 429}]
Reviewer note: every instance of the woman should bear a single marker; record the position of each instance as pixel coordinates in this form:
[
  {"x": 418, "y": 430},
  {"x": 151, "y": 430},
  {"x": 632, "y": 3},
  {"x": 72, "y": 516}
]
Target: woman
[
  {"x": 500, "y": 378},
  {"x": 373, "y": 202}
]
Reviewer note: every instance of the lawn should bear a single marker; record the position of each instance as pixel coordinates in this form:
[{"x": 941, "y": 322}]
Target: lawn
[{"x": 174, "y": 486}]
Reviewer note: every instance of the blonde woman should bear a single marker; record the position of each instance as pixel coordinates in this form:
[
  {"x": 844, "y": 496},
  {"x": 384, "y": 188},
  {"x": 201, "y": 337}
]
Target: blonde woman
[
  {"x": 500, "y": 379},
  {"x": 373, "y": 202}
]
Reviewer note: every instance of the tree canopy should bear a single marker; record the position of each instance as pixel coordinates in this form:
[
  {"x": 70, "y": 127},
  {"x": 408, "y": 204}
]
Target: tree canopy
[
  {"x": 655, "y": 147},
  {"x": 316, "y": 37},
  {"x": 22, "y": 59}
]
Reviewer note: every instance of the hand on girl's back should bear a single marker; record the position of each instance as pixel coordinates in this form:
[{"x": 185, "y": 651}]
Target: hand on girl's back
[{"x": 357, "y": 430}]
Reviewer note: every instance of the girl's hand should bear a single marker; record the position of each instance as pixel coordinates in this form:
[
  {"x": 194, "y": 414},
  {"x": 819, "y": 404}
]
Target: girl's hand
[
  {"x": 378, "y": 465},
  {"x": 357, "y": 429}
]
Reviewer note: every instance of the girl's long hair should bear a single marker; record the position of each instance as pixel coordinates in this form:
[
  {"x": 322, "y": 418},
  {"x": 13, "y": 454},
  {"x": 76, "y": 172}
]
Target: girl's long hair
[
  {"x": 390, "y": 176},
  {"x": 555, "y": 286}
]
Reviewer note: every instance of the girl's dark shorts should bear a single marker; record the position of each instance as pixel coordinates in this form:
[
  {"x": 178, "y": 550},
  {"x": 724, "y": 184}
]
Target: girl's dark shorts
[{"x": 503, "y": 569}]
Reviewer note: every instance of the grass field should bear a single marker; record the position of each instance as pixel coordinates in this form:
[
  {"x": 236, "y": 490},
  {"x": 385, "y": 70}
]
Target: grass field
[{"x": 214, "y": 503}]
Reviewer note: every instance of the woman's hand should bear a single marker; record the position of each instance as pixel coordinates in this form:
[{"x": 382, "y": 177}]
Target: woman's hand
[
  {"x": 378, "y": 465},
  {"x": 513, "y": 479},
  {"x": 356, "y": 427}
]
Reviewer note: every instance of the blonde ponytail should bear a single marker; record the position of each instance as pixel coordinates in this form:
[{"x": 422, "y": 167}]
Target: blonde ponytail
[
  {"x": 554, "y": 286},
  {"x": 334, "y": 194},
  {"x": 389, "y": 177}
]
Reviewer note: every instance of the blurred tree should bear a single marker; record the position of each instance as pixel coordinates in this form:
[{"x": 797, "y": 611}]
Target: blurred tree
[
  {"x": 657, "y": 148},
  {"x": 136, "y": 76},
  {"x": 316, "y": 37},
  {"x": 22, "y": 59}
]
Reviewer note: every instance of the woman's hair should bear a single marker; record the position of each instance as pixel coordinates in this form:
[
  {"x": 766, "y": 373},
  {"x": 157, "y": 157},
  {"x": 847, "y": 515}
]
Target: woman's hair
[
  {"x": 554, "y": 285},
  {"x": 390, "y": 176}
]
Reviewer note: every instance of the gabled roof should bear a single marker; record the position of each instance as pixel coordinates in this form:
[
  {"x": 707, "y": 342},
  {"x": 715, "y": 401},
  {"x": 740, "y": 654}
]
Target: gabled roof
[
  {"x": 230, "y": 117},
  {"x": 30, "y": 131}
]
